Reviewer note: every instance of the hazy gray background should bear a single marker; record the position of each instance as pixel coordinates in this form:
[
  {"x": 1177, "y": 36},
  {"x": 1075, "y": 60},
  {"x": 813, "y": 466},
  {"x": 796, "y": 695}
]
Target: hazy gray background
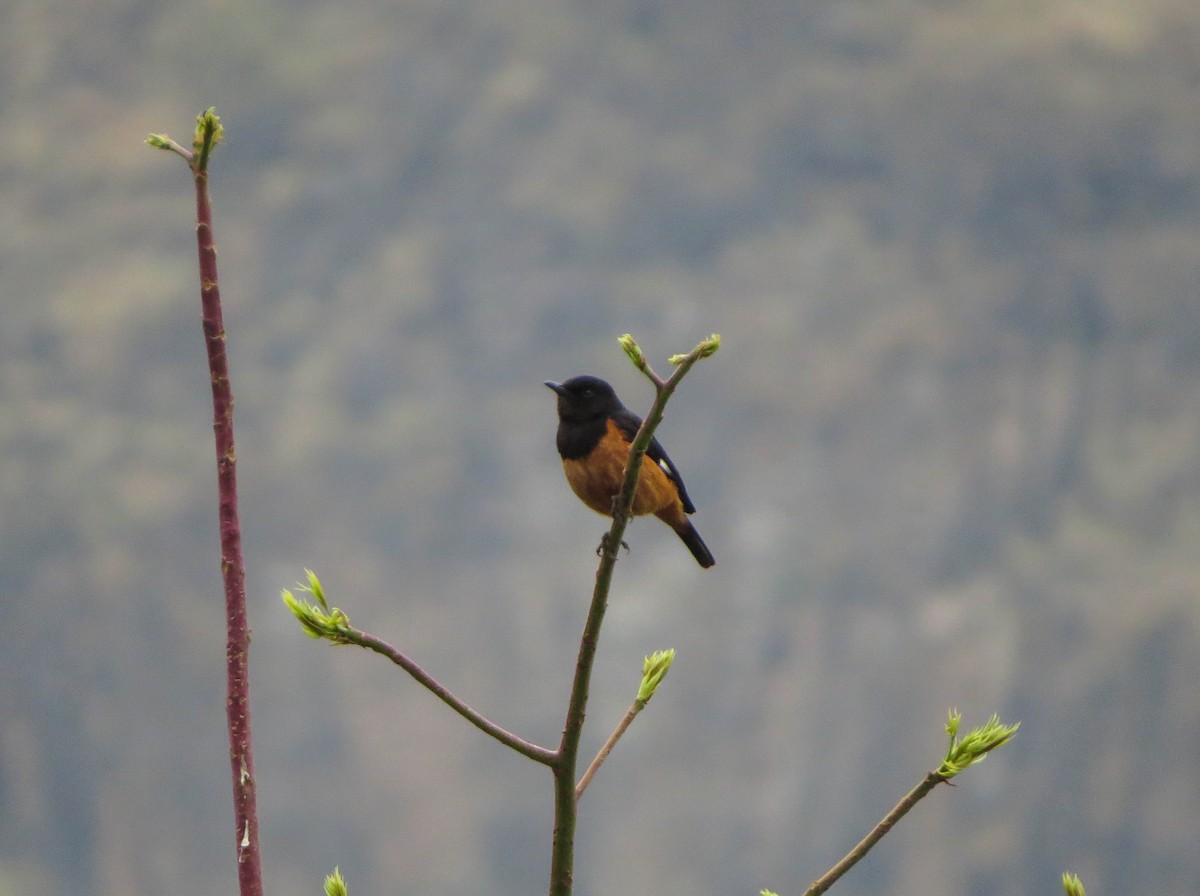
[{"x": 948, "y": 455}]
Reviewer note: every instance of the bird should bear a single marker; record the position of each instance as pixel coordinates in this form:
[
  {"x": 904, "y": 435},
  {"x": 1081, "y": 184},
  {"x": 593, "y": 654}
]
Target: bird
[{"x": 594, "y": 434}]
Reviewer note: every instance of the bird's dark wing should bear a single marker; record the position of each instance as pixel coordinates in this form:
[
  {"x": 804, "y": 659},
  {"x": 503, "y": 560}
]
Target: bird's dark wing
[{"x": 629, "y": 423}]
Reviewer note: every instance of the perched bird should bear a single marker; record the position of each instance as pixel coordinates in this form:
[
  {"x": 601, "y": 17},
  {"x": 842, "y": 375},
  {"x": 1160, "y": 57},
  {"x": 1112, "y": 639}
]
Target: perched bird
[{"x": 594, "y": 434}]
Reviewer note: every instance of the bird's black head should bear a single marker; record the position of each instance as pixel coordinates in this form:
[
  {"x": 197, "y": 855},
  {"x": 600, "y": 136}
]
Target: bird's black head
[{"x": 583, "y": 398}]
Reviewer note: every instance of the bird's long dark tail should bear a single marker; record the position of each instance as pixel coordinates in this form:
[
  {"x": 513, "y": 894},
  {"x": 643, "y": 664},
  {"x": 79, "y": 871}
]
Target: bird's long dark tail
[{"x": 688, "y": 534}]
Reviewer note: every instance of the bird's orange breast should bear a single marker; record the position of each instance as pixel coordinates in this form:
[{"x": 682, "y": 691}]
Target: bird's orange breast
[{"x": 597, "y": 479}]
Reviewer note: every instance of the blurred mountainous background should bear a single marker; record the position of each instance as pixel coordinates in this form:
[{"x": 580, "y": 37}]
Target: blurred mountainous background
[{"x": 948, "y": 454}]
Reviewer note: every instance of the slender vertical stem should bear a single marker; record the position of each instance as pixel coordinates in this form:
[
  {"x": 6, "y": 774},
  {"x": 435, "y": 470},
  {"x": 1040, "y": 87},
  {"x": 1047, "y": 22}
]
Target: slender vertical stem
[
  {"x": 562, "y": 856},
  {"x": 237, "y": 629},
  {"x": 237, "y": 643}
]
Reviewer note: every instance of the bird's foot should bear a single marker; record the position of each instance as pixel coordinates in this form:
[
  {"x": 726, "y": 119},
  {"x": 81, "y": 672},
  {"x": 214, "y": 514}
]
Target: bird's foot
[{"x": 602, "y": 548}]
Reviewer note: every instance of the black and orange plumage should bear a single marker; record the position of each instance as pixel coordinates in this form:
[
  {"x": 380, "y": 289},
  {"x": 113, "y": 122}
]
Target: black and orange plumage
[{"x": 595, "y": 431}]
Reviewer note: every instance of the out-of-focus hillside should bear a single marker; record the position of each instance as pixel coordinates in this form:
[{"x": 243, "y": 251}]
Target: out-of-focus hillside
[{"x": 947, "y": 455}]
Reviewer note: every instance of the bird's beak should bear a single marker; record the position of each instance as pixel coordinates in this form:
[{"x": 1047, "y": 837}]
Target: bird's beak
[{"x": 557, "y": 387}]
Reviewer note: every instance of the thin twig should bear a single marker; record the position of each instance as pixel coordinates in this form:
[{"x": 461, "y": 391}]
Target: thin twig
[
  {"x": 914, "y": 796},
  {"x": 634, "y": 708},
  {"x": 524, "y": 747}
]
